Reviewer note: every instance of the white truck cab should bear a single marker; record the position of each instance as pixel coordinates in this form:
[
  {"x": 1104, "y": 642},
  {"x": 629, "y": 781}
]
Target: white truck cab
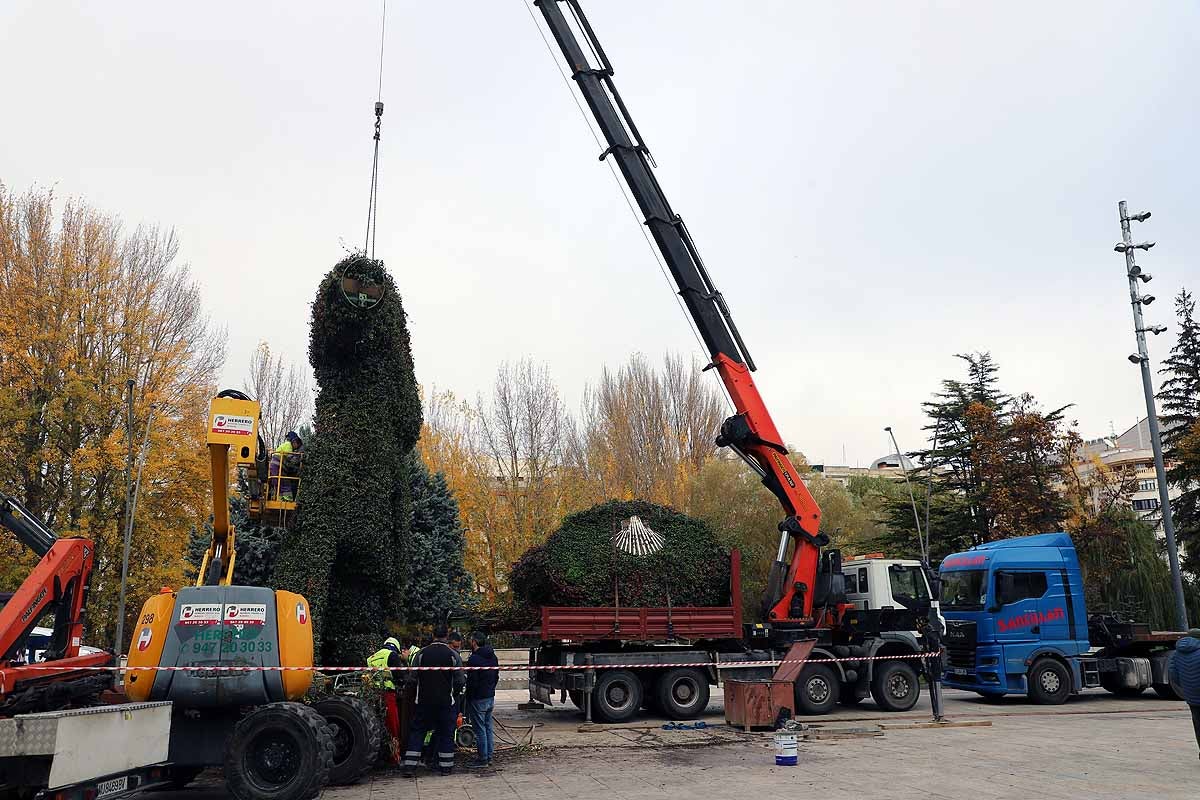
[{"x": 874, "y": 582}]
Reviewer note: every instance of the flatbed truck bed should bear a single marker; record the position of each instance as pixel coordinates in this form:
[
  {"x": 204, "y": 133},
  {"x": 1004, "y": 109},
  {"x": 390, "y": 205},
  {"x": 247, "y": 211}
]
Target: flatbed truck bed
[{"x": 100, "y": 753}]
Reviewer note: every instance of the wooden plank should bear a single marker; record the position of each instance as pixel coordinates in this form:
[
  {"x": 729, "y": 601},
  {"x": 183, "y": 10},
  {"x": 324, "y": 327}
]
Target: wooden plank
[{"x": 912, "y": 726}]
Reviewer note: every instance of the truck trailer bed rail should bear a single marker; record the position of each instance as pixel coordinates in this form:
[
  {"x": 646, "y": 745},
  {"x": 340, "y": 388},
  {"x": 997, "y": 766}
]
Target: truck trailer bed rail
[{"x": 648, "y": 624}]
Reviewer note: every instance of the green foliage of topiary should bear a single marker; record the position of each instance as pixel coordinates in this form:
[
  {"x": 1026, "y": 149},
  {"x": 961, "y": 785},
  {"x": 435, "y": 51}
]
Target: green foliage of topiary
[
  {"x": 349, "y": 552},
  {"x": 577, "y": 564}
]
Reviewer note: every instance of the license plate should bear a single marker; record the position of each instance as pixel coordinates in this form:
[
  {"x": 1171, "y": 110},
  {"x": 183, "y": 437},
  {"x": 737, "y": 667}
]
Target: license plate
[
  {"x": 113, "y": 786},
  {"x": 958, "y": 671}
]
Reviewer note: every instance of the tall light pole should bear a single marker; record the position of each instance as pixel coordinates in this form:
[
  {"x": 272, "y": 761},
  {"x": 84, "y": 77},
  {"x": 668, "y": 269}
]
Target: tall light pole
[
  {"x": 911, "y": 497},
  {"x": 934, "y": 663},
  {"x": 120, "y": 641},
  {"x": 1142, "y": 359}
]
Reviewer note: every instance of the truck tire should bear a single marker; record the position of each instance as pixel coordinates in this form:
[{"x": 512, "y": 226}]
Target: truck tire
[
  {"x": 281, "y": 751},
  {"x": 357, "y": 736},
  {"x": 682, "y": 693},
  {"x": 1049, "y": 682},
  {"x": 617, "y": 696},
  {"x": 816, "y": 690},
  {"x": 895, "y": 686}
]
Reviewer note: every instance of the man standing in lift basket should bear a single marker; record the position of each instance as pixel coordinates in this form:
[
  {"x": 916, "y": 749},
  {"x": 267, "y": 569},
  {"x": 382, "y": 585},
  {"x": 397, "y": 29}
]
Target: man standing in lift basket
[
  {"x": 1185, "y": 673},
  {"x": 437, "y": 695}
]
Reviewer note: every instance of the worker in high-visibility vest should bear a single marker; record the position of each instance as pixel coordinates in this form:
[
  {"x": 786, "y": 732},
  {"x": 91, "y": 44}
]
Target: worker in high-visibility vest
[
  {"x": 386, "y": 660},
  {"x": 280, "y": 467}
]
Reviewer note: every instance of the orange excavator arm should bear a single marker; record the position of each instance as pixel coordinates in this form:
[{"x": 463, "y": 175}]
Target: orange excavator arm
[{"x": 58, "y": 584}]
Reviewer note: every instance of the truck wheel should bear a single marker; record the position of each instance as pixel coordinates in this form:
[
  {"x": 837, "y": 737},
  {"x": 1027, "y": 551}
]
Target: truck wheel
[
  {"x": 1049, "y": 682},
  {"x": 617, "y": 696},
  {"x": 816, "y": 690},
  {"x": 895, "y": 686},
  {"x": 281, "y": 751},
  {"x": 682, "y": 693},
  {"x": 357, "y": 735}
]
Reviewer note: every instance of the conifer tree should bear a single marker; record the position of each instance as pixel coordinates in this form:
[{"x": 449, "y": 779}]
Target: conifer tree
[
  {"x": 438, "y": 582},
  {"x": 1179, "y": 399}
]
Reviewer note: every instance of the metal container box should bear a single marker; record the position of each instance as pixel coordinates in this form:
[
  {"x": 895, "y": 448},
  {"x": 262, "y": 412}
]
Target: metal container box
[{"x": 757, "y": 703}]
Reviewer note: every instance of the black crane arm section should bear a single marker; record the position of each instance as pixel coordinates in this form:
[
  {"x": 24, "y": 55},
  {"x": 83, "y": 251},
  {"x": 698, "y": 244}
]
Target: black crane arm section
[
  {"x": 750, "y": 433},
  {"x": 28, "y": 529}
]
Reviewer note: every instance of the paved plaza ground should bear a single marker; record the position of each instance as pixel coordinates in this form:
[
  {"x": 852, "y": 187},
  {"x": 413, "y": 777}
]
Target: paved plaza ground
[{"x": 1096, "y": 746}]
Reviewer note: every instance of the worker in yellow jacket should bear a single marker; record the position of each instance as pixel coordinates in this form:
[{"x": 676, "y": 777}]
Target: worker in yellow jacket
[
  {"x": 277, "y": 484},
  {"x": 385, "y": 661}
]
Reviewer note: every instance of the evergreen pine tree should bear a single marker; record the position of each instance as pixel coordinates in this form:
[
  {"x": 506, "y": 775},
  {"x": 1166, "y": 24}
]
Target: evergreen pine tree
[
  {"x": 996, "y": 465},
  {"x": 959, "y": 491},
  {"x": 438, "y": 582},
  {"x": 1179, "y": 401}
]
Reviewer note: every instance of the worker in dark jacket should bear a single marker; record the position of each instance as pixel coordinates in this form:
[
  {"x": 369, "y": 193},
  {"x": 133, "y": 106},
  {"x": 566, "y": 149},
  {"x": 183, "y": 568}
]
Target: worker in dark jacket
[
  {"x": 481, "y": 696},
  {"x": 1185, "y": 674},
  {"x": 437, "y": 697}
]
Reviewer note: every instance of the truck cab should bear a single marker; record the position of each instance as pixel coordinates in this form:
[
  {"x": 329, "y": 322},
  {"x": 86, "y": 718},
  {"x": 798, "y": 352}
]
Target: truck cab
[
  {"x": 1011, "y": 605},
  {"x": 1017, "y": 624},
  {"x": 874, "y": 582}
]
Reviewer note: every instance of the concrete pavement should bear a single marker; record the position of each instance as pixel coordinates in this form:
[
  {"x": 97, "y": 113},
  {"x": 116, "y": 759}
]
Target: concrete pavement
[{"x": 1095, "y": 746}]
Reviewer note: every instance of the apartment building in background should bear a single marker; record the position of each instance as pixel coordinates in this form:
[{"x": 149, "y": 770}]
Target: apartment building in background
[{"x": 1130, "y": 453}]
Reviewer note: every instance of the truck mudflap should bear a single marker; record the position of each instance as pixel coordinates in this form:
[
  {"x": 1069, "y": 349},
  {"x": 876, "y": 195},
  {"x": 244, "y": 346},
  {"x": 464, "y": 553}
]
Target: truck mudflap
[{"x": 539, "y": 693}]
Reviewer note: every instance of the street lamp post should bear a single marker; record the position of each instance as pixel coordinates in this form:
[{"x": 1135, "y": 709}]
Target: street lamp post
[{"x": 1142, "y": 359}]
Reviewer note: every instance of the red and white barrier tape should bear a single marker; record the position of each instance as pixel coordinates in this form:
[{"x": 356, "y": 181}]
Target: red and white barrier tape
[{"x": 499, "y": 668}]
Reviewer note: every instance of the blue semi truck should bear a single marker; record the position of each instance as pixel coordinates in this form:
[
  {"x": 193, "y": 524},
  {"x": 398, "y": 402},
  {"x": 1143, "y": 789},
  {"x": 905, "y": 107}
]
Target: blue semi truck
[{"x": 1017, "y": 624}]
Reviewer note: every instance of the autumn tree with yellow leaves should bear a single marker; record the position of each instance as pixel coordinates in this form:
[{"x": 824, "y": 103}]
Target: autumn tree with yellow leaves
[{"x": 86, "y": 305}]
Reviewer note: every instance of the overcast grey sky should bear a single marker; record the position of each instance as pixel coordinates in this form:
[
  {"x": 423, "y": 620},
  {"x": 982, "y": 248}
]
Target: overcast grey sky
[{"x": 875, "y": 186}]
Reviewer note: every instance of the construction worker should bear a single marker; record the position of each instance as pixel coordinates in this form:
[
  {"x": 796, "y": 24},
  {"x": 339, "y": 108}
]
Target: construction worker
[
  {"x": 1184, "y": 669},
  {"x": 387, "y": 660},
  {"x": 281, "y": 465},
  {"x": 481, "y": 697},
  {"x": 437, "y": 698}
]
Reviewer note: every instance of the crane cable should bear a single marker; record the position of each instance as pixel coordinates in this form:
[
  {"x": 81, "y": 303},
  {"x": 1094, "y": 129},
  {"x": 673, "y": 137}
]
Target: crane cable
[
  {"x": 662, "y": 267},
  {"x": 373, "y": 200}
]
